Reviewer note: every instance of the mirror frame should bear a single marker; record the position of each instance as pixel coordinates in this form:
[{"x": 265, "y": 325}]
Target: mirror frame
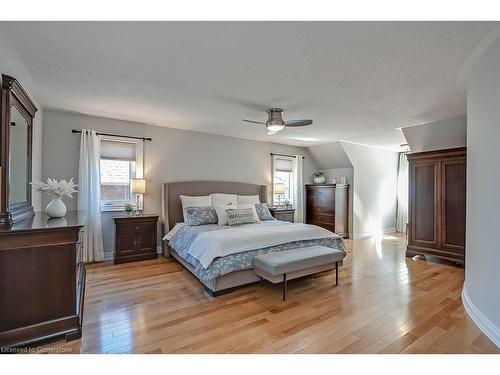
[{"x": 13, "y": 94}]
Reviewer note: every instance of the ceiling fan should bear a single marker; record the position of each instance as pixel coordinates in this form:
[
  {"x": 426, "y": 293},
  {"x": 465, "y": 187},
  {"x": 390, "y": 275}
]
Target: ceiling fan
[{"x": 275, "y": 122}]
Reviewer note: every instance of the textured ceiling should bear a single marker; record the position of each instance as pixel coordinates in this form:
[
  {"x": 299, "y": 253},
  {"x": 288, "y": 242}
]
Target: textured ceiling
[{"x": 358, "y": 81}]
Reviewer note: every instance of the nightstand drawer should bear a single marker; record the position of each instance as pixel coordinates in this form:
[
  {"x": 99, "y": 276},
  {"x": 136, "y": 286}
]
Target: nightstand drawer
[
  {"x": 138, "y": 227},
  {"x": 283, "y": 215}
]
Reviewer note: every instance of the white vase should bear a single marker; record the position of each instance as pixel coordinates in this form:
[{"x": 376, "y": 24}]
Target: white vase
[
  {"x": 56, "y": 207},
  {"x": 319, "y": 179}
]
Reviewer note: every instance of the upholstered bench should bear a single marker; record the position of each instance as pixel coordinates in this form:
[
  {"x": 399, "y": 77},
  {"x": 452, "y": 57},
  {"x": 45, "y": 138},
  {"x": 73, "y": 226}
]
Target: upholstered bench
[{"x": 291, "y": 264}]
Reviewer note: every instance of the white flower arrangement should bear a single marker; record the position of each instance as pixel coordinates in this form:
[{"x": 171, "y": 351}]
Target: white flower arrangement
[{"x": 60, "y": 188}]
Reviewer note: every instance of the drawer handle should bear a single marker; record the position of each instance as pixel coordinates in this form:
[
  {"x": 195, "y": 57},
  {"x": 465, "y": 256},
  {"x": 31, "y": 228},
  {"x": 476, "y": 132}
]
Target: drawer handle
[{"x": 136, "y": 227}]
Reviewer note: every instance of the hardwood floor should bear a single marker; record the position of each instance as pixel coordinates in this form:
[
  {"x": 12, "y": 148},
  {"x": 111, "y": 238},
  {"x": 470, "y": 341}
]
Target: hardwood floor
[{"x": 384, "y": 303}]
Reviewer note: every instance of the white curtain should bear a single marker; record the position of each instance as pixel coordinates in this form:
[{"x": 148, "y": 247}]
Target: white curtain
[
  {"x": 402, "y": 212},
  {"x": 89, "y": 195},
  {"x": 298, "y": 176}
]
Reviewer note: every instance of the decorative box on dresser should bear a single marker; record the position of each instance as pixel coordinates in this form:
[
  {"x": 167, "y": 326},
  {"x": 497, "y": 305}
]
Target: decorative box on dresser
[
  {"x": 437, "y": 188},
  {"x": 283, "y": 214},
  {"x": 135, "y": 238},
  {"x": 42, "y": 279},
  {"x": 327, "y": 205}
]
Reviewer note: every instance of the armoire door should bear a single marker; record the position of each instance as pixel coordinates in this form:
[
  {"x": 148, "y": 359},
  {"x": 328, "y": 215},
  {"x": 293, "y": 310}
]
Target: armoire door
[
  {"x": 453, "y": 177},
  {"x": 424, "y": 198}
]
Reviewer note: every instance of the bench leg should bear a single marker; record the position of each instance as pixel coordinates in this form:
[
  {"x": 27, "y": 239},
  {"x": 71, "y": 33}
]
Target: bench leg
[
  {"x": 336, "y": 273},
  {"x": 284, "y": 286}
]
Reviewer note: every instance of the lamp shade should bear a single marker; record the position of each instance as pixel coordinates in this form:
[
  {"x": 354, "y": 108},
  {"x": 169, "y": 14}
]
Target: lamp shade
[
  {"x": 279, "y": 188},
  {"x": 138, "y": 185}
]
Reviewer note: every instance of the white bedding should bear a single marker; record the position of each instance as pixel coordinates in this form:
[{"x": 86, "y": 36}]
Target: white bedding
[{"x": 231, "y": 240}]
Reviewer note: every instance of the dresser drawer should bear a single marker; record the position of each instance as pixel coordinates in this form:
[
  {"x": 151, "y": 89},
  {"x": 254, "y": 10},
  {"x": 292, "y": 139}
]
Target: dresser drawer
[
  {"x": 326, "y": 210},
  {"x": 324, "y": 218}
]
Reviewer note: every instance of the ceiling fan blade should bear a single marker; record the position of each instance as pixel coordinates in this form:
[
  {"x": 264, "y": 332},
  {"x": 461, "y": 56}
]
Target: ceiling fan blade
[
  {"x": 253, "y": 122},
  {"x": 298, "y": 123}
]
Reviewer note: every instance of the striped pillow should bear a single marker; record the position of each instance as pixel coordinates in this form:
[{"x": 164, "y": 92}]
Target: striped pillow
[{"x": 240, "y": 216}]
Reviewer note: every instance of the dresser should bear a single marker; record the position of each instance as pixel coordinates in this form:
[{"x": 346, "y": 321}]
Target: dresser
[
  {"x": 136, "y": 238},
  {"x": 437, "y": 191},
  {"x": 42, "y": 279},
  {"x": 283, "y": 214},
  {"x": 327, "y": 206}
]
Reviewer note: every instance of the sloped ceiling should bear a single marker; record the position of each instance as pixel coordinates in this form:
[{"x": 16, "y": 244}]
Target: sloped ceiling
[
  {"x": 329, "y": 156},
  {"x": 358, "y": 81},
  {"x": 438, "y": 135}
]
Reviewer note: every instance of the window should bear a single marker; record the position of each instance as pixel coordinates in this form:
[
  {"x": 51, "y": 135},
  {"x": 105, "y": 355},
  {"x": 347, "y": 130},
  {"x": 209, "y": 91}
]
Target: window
[
  {"x": 283, "y": 174},
  {"x": 121, "y": 160}
]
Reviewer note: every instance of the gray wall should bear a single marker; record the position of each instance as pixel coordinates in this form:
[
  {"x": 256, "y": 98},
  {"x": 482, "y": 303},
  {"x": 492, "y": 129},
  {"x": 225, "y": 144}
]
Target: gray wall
[
  {"x": 482, "y": 279},
  {"x": 10, "y": 64},
  {"x": 374, "y": 192},
  {"x": 372, "y": 175},
  {"x": 438, "y": 135},
  {"x": 173, "y": 155}
]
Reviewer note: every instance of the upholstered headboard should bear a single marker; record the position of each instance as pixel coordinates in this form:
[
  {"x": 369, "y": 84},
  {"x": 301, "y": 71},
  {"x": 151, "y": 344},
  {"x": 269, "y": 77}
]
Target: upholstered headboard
[{"x": 171, "y": 191}]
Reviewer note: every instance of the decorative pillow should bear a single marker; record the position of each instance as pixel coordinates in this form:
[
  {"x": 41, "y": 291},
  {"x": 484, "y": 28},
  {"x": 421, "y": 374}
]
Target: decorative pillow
[
  {"x": 219, "y": 199},
  {"x": 240, "y": 216},
  {"x": 252, "y": 207},
  {"x": 248, "y": 199},
  {"x": 221, "y": 213},
  {"x": 201, "y": 216},
  {"x": 201, "y": 201},
  {"x": 263, "y": 212}
]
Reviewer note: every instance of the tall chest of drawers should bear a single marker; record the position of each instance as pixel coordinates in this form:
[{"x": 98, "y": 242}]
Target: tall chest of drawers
[{"x": 327, "y": 206}]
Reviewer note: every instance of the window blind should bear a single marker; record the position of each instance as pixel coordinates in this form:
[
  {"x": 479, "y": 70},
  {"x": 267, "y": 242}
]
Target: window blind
[
  {"x": 114, "y": 150},
  {"x": 283, "y": 165}
]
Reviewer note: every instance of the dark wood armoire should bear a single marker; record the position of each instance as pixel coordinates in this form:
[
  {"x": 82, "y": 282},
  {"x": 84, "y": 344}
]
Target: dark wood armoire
[
  {"x": 437, "y": 188},
  {"x": 327, "y": 206}
]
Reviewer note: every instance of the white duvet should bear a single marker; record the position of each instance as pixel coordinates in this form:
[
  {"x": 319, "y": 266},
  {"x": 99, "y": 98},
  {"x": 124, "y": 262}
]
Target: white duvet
[{"x": 231, "y": 240}]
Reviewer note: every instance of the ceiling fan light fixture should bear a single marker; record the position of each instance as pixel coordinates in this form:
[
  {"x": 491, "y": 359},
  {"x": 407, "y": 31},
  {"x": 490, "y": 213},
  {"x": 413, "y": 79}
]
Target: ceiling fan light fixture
[{"x": 275, "y": 127}]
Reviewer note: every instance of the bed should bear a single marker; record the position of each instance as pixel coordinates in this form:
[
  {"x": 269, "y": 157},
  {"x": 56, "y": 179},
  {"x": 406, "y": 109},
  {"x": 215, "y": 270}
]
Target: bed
[{"x": 221, "y": 256}]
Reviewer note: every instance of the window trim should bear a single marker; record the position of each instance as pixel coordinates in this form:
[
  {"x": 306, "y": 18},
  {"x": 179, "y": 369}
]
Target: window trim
[
  {"x": 109, "y": 206},
  {"x": 273, "y": 173}
]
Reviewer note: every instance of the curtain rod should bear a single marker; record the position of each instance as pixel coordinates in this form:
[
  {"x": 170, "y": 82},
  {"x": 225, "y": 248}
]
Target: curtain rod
[
  {"x": 115, "y": 135},
  {"x": 288, "y": 156}
]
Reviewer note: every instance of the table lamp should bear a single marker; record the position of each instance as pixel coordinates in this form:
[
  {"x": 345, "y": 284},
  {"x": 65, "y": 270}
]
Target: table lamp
[
  {"x": 138, "y": 186},
  {"x": 279, "y": 189}
]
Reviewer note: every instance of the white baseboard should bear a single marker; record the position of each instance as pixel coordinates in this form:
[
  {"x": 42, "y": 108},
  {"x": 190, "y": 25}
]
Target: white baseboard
[
  {"x": 484, "y": 324},
  {"x": 364, "y": 235}
]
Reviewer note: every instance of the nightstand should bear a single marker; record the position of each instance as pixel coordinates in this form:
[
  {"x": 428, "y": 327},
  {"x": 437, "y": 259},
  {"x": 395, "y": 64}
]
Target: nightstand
[
  {"x": 135, "y": 238},
  {"x": 283, "y": 214}
]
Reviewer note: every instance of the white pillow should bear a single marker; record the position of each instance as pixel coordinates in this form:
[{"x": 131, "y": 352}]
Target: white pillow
[
  {"x": 201, "y": 201},
  {"x": 254, "y": 211},
  {"x": 219, "y": 199},
  {"x": 221, "y": 213},
  {"x": 248, "y": 199}
]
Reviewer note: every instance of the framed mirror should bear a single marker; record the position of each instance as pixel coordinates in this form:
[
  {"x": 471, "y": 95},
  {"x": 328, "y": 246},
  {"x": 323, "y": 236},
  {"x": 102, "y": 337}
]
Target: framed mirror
[{"x": 17, "y": 114}]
